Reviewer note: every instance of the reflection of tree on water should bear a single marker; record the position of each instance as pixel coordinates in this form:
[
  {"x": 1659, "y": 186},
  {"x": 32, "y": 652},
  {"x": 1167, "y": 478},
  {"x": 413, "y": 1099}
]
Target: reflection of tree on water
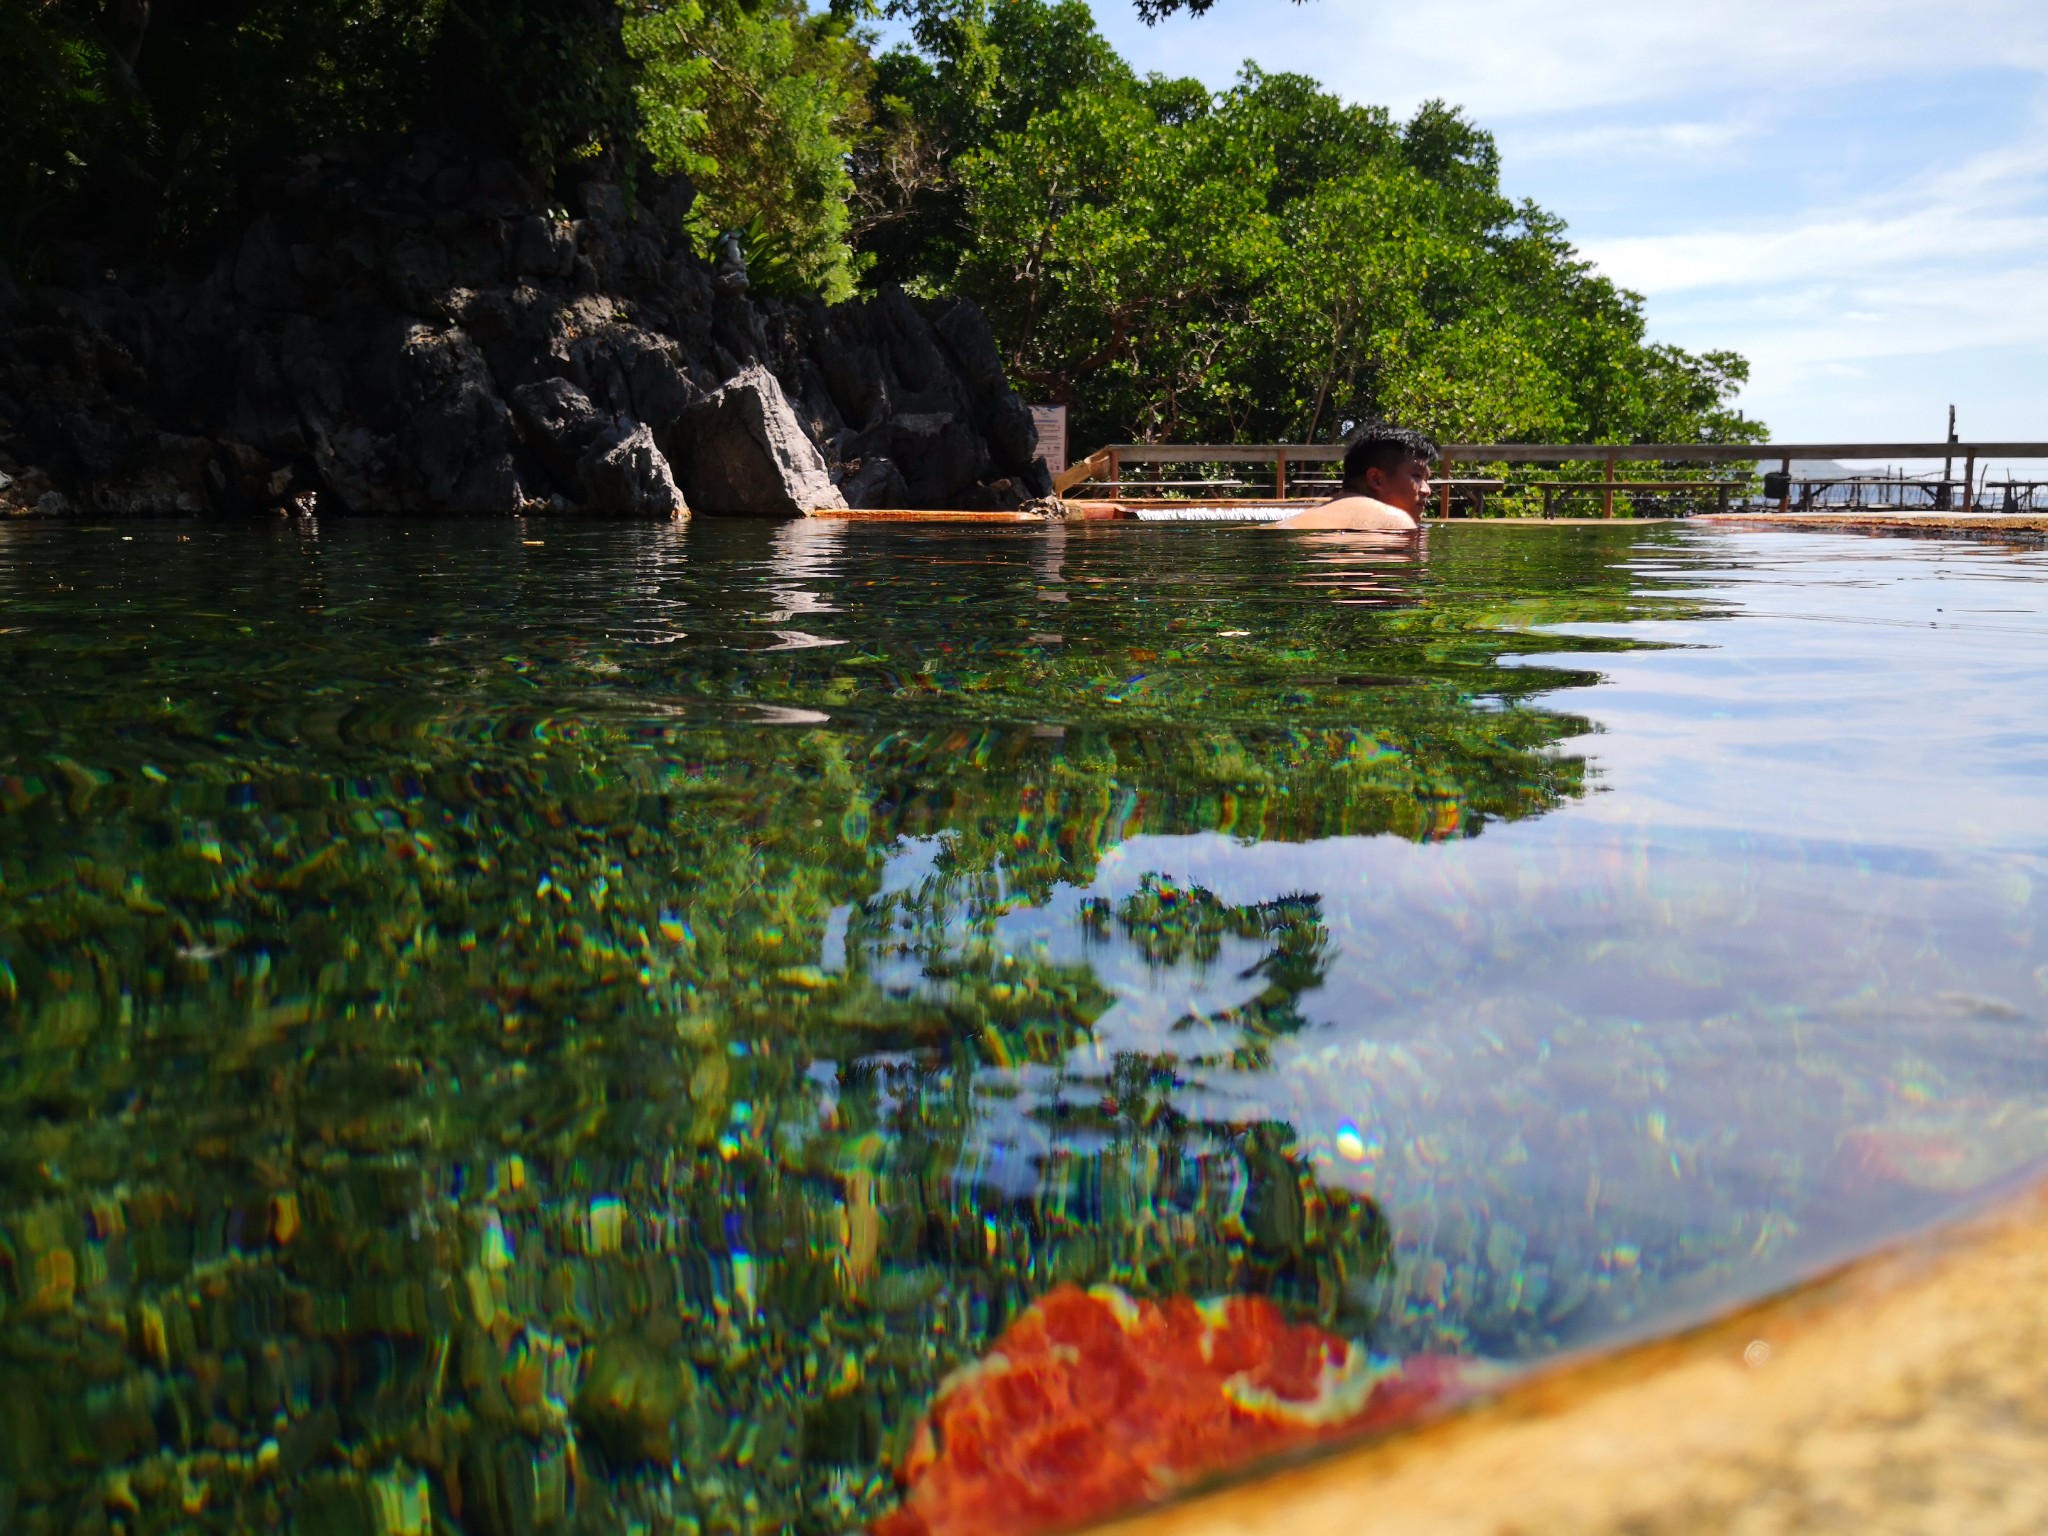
[{"x": 1101, "y": 1177}]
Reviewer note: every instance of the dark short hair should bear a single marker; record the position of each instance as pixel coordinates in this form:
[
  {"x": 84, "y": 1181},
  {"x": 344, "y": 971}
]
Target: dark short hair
[{"x": 1383, "y": 447}]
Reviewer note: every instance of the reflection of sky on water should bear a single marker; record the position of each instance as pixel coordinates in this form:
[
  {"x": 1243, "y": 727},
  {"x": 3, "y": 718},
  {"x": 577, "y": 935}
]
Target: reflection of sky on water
[{"x": 1775, "y": 991}]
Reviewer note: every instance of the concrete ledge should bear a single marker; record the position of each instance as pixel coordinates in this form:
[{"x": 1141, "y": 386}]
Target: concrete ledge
[
  {"x": 2007, "y": 527},
  {"x": 895, "y": 515},
  {"x": 1905, "y": 1393}
]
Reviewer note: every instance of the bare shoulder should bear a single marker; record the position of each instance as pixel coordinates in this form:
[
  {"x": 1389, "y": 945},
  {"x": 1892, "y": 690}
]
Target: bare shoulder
[{"x": 1356, "y": 514}]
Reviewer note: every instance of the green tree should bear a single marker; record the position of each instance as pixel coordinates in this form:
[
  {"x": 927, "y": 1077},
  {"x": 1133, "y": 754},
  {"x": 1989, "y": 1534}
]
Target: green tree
[
  {"x": 760, "y": 107},
  {"x": 978, "y": 69},
  {"x": 1263, "y": 262}
]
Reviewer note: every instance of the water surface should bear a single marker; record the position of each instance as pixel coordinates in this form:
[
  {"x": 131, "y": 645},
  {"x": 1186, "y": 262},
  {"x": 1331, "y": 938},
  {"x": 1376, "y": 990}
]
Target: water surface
[{"x": 560, "y": 1026}]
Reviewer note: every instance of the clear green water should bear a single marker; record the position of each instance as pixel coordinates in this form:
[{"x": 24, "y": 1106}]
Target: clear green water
[{"x": 454, "y": 986}]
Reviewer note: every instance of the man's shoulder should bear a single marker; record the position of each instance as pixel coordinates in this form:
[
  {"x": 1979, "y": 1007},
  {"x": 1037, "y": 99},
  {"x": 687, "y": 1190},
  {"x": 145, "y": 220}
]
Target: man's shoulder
[{"x": 1362, "y": 514}]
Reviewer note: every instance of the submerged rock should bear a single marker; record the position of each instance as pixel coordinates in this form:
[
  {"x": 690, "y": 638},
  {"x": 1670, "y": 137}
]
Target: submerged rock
[{"x": 631, "y": 1395}]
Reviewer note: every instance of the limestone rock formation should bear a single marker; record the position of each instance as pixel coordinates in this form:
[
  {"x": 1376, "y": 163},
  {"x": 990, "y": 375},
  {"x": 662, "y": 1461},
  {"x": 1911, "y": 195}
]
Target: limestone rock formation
[
  {"x": 744, "y": 451},
  {"x": 426, "y": 334},
  {"x": 625, "y": 472},
  {"x": 875, "y": 482}
]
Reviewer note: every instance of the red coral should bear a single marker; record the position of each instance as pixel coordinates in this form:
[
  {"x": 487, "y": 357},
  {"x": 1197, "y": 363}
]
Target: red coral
[{"x": 1092, "y": 1401}]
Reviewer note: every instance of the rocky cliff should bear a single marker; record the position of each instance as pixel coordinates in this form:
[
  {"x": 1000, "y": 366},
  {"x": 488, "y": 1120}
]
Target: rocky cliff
[{"x": 424, "y": 335}]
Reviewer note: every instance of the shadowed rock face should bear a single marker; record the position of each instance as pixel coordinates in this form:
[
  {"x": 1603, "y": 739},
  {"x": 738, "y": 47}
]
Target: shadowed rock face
[
  {"x": 744, "y": 451},
  {"x": 424, "y": 335}
]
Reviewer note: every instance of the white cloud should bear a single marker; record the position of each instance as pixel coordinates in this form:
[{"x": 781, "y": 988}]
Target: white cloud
[
  {"x": 1974, "y": 210},
  {"x": 1696, "y": 141},
  {"x": 1510, "y": 58},
  {"x": 1828, "y": 247}
]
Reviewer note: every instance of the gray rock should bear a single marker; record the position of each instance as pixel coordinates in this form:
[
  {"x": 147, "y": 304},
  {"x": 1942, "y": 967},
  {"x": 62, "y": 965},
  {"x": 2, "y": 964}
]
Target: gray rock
[
  {"x": 743, "y": 451},
  {"x": 625, "y": 473},
  {"x": 172, "y": 478},
  {"x": 420, "y": 272},
  {"x": 964, "y": 330},
  {"x": 560, "y": 424},
  {"x": 602, "y": 201},
  {"x": 360, "y": 467},
  {"x": 730, "y": 276},
  {"x": 264, "y": 273},
  {"x": 312, "y": 370},
  {"x": 300, "y": 364},
  {"x": 543, "y": 248},
  {"x": 1004, "y": 418},
  {"x": 877, "y": 483},
  {"x": 501, "y": 192},
  {"x": 941, "y": 456},
  {"x": 264, "y": 414},
  {"x": 459, "y": 431}
]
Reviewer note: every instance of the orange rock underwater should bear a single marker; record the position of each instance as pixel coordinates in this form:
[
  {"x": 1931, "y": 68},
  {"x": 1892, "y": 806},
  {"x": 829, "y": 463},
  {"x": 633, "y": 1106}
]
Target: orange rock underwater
[{"x": 1092, "y": 1401}]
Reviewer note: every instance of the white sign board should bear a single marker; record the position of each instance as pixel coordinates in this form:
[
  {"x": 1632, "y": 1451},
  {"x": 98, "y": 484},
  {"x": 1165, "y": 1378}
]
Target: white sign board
[{"x": 1051, "y": 422}]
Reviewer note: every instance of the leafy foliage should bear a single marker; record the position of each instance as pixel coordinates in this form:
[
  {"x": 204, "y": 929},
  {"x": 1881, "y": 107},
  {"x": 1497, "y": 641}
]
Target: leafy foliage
[
  {"x": 149, "y": 123},
  {"x": 152, "y": 132},
  {"x": 1264, "y": 262},
  {"x": 759, "y": 107},
  {"x": 69, "y": 87}
]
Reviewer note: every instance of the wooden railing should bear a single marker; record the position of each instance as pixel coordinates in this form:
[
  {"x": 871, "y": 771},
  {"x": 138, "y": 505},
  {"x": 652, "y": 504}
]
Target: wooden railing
[{"x": 1106, "y": 465}]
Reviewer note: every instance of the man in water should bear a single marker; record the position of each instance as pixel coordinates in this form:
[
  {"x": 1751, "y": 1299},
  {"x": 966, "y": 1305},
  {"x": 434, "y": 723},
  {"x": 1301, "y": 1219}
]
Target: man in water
[{"x": 1386, "y": 485}]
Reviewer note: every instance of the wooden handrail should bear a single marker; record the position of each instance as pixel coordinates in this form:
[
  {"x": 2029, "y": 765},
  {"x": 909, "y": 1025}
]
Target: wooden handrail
[
  {"x": 1075, "y": 474},
  {"x": 1537, "y": 453}
]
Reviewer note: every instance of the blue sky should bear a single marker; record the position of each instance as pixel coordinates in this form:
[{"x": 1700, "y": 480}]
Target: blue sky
[{"x": 1851, "y": 193}]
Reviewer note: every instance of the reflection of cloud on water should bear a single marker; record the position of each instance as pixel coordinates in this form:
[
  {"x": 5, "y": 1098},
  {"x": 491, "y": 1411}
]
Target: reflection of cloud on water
[{"x": 1765, "y": 1002}]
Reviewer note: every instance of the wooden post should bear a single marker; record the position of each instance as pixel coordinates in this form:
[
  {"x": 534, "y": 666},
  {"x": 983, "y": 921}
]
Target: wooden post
[
  {"x": 1280, "y": 477},
  {"x": 1970, "y": 483},
  {"x": 1785, "y": 501},
  {"x": 1444, "y": 494},
  {"x": 1607, "y": 496},
  {"x": 1946, "y": 498},
  {"x": 1721, "y": 498},
  {"x": 1115, "y": 469},
  {"x": 1546, "y": 500}
]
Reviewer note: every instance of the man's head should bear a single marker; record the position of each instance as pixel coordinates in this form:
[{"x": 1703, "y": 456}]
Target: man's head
[{"x": 1391, "y": 464}]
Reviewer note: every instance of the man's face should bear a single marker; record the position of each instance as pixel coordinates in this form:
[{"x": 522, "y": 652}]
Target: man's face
[{"x": 1406, "y": 486}]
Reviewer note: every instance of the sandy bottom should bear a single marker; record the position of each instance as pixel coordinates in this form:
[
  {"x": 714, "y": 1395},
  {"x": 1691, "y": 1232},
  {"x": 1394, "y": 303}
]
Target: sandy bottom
[{"x": 1907, "y": 1393}]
